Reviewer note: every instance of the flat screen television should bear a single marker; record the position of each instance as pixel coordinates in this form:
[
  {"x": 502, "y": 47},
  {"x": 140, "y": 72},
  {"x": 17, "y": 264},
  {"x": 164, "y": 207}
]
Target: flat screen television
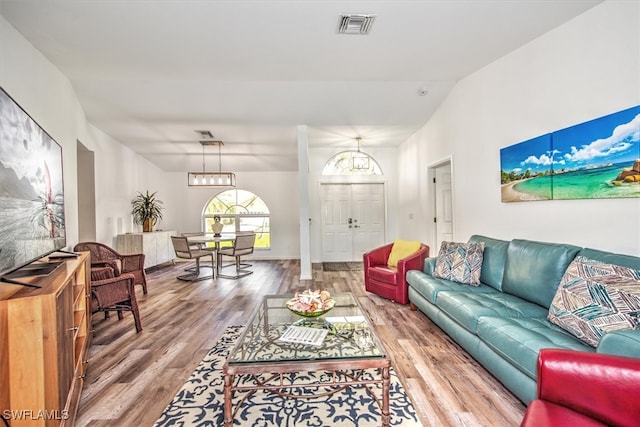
[{"x": 32, "y": 222}]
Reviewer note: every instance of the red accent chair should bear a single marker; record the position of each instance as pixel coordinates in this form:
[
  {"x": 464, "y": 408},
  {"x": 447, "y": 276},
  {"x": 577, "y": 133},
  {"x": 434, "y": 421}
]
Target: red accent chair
[
  {"x": 390, "y": 282},
  {"x": 577, "y": 388}
]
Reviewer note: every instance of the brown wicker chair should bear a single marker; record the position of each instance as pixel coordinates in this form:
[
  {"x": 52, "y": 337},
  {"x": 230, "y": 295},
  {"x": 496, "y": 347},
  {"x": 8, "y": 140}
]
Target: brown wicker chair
[
  {"x": 102, "y": 255},
  {"x": 114, "y": 293}
]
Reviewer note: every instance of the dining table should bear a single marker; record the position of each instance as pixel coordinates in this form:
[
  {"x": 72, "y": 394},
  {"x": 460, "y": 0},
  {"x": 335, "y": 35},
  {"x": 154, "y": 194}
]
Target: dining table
[{"x": 203, "y": 239}]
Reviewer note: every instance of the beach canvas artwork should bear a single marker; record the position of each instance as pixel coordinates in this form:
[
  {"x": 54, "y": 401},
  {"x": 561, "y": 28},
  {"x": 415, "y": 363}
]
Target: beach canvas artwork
[{"x": 592, "y": 160}]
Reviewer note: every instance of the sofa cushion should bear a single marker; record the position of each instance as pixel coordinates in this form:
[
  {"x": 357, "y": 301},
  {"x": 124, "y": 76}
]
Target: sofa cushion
[
  {"x": 493, "y": 260},
  {"x": 466, "y": 307},
  {"x": 533, "y": 269},
  {"x": 460, "y": 262},
  {"x": 519, "y": 339},
  {"x": 429, "y": 287},
  {"x": 402, "y": 249},
  {"x": 611, "y": 258},
  {"x": 595, "y": 298}
]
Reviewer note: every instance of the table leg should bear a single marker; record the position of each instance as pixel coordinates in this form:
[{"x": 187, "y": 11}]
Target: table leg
[
  {"x": 228, "y": 395},
  {"x": 385, "y": 397},
  {"x": 218, "y": 258}
]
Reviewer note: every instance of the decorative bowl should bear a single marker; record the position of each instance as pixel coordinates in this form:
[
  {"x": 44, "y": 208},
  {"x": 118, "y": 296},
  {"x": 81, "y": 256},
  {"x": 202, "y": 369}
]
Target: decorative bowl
[{"x": 328, "y": 305}]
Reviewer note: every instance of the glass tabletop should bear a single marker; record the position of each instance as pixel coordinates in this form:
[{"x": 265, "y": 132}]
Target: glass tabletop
[{"x": 348, "y": 333}]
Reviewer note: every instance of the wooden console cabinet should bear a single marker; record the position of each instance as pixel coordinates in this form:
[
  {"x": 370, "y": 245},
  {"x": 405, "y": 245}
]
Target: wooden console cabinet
[
  {"x": 155, "y": 245},
  {"x": 44, "y": 341}
]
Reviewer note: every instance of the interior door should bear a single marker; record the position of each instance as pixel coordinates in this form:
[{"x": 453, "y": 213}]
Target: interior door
[
  {"x": 353, "y": 220},
  {"x": 444, "y": 204}
]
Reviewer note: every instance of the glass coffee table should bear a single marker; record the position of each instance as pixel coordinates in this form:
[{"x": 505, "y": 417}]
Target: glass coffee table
[{"x": 276, "y": 344}]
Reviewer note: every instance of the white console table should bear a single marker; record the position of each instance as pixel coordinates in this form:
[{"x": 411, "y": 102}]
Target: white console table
[{"x": 155, "y": 245}]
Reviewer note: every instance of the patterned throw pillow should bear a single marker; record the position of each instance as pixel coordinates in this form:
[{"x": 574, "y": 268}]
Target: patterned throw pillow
[
  {"x": 594, "y": 298},
  {"x": 460, "y": 262}
]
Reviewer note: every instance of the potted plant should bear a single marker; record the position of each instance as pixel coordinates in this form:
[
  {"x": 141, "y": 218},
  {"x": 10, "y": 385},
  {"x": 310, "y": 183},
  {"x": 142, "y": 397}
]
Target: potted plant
[{"x": 146, "y": 210}]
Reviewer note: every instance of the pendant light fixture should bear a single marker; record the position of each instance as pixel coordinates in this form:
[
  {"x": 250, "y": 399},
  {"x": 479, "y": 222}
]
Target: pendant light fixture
[
  {"x": 359, "y": 161},
  {"x": 212, "y": 179}
]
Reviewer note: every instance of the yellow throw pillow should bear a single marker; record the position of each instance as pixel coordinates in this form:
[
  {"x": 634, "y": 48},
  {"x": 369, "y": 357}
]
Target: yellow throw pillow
[{"x": 401, "y": 249}]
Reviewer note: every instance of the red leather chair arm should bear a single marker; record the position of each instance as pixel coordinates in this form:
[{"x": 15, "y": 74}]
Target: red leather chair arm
[
  {"x": 414, "y": 261},
  {"x": 603, "y": 387},
  {"x": 378, "y": 256}
]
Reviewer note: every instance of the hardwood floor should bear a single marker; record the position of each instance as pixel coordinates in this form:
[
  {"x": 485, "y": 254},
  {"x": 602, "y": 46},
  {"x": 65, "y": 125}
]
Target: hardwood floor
[{"x": 132, "y": 377}]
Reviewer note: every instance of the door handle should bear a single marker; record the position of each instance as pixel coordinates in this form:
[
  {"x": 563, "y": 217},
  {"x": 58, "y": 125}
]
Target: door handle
[{"x": 350, "y": 220}]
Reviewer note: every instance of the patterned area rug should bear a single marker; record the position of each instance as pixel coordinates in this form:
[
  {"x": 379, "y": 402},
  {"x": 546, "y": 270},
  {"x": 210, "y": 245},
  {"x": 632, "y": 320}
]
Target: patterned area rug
[
  {"x": 200, "y": 402},
  {"x": 342, "y": 266}
]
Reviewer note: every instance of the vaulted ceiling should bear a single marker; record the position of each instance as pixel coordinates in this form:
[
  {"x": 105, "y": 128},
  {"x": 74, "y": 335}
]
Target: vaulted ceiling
[{"x": 151, "y": 72}]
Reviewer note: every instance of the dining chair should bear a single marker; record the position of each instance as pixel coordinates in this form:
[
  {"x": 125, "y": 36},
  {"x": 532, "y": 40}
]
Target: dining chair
[
  {"x": 183, "y": 250},
  {"x": 242, "y": 245},
  {"x": 194, "y": 234}
]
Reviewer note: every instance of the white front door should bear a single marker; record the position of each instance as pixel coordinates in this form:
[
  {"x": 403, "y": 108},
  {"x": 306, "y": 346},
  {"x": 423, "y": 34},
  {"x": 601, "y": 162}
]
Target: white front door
[{"x": 353, "y": 220}]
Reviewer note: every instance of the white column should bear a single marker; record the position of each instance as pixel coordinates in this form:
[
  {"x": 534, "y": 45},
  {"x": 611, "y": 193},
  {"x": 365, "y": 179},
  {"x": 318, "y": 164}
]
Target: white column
[{"x": 303, "y": 177}]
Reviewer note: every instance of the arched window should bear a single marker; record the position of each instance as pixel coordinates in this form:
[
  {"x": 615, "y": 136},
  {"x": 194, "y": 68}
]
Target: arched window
[
  {"x": 240, "y": 210},
  {"x": 351, "y": 163}
]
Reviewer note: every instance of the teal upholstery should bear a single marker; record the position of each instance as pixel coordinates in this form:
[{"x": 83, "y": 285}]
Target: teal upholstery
[
  {"x": 520, "y": 339},
  {"x": 621, "y": 343},
  {"x": 495, "y": 255},
  {"x": 429, "y": 286},
  {"x": 468, "y": 308},
  {"x": 534, "y": 269},
  {"x": 503, "y": 322},
  {"x": 611, "y": 258}
]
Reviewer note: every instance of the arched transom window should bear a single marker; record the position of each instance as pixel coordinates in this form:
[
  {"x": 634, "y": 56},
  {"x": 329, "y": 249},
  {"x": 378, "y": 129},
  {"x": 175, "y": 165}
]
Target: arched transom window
[
  {"x": 351, "y": 163},
  {"x": 240, "y": 210}
]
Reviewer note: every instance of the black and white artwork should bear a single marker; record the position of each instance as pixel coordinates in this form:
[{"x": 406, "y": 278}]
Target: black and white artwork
[{"x": 31, "y": 189}]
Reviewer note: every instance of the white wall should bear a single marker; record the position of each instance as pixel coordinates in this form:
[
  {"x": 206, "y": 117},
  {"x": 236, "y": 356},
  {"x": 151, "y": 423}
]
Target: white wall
[
  {"x": 587, "y": 68},
  {"x": 47, "y": 95},
  {"x": 279, "y": 190}
]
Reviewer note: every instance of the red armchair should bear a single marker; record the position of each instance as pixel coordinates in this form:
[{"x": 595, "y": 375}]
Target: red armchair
[
  {"x": 389, "y": 282},
  {"x": 585, "y": 389}
]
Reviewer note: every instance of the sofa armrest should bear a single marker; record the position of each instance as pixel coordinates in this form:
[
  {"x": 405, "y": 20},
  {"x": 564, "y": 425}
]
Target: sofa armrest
[
  {"x": 600, "y": 386},
  {"x": 621, "y": 343},
  {"x": 429, "y": 265}
]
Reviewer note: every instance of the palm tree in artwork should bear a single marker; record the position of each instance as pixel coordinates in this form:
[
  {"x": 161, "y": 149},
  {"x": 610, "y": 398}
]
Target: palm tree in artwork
[{"x": 49, "y": 216}]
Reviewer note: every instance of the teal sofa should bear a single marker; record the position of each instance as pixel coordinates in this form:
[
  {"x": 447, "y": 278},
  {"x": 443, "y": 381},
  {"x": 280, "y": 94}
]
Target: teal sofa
[{"x": 503, "y": 322}]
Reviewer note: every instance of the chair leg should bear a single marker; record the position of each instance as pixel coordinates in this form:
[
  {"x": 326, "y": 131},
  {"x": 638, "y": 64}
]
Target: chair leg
[
  {"x": 240, "y": 272},
  {"x": 198, "y": 272},
  {"x": 136, "y": 314}
]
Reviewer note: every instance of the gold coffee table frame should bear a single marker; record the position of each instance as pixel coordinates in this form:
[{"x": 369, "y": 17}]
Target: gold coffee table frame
[{"x": 351, "y": 352}]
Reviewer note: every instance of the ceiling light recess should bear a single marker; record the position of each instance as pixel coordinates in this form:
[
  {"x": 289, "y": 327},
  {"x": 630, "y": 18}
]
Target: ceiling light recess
[
  {"x": 355, "y": 24},
  {"x": 211, "y": 179}
]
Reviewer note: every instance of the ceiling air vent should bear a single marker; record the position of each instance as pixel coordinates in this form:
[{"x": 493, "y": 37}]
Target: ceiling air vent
[{"x": 355, "y": 24}]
